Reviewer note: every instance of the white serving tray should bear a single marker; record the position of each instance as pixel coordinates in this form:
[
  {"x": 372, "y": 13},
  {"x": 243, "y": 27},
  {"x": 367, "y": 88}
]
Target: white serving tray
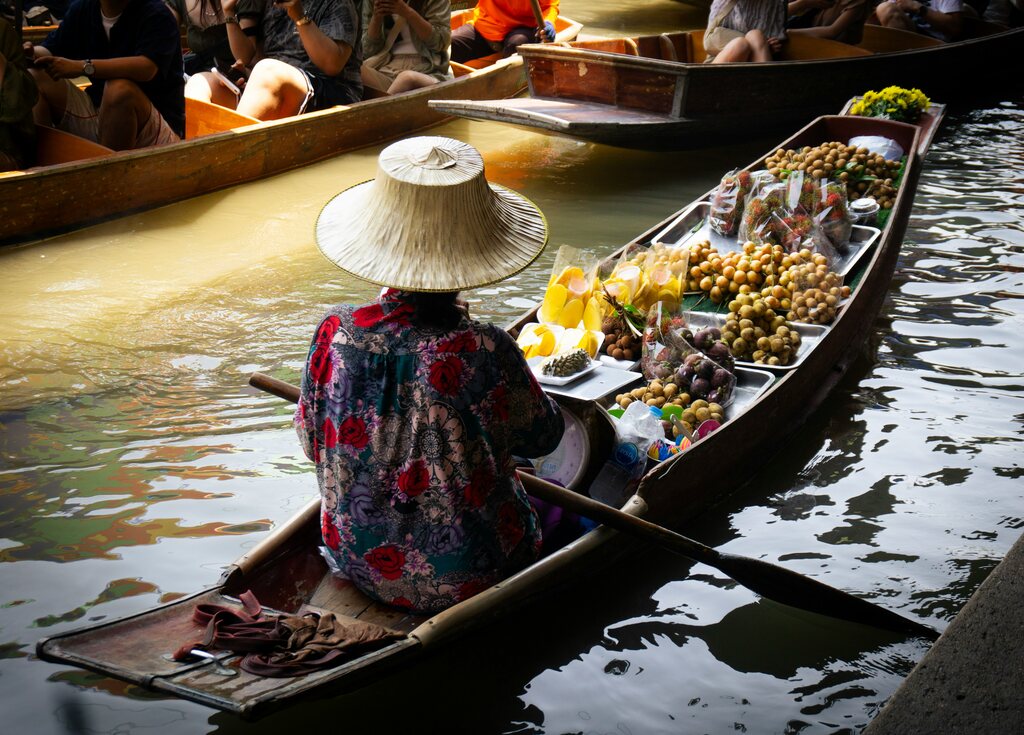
[
  {"x": 595, "y": 385},
  {"x": 810, "y": 336},
  {"x": 535, "y": 365}
]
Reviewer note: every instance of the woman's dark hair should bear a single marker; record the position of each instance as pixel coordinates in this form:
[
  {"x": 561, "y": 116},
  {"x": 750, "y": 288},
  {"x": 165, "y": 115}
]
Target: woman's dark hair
[{"x": 436, "y": 310}]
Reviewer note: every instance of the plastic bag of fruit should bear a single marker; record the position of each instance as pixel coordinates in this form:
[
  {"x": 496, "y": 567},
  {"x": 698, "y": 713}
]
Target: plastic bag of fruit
[
  {"x": 646, "y": 274},
  {"x": 727, "y": 202},
  {"x": 826, "y": 200},
  {"x": 817, "y": 292},
  {"x": 570, "y": 300},
  {"x": 697, "y": 362}
]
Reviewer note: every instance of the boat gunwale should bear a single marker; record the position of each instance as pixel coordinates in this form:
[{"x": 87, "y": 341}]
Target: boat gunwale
[{"x": 537, "y": 50}]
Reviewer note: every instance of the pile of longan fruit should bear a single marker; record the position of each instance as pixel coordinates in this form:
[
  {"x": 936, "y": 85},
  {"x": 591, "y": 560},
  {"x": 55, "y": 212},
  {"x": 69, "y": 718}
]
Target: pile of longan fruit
[
  {"x": 755, "y": 332},
  {"x": 865, "y": 173},
  {"x": 817, "y": 292}
]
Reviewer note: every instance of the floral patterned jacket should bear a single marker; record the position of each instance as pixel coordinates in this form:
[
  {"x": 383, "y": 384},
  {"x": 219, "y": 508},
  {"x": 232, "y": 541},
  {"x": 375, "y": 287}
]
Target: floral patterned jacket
[{"x": 413, "y": 431}]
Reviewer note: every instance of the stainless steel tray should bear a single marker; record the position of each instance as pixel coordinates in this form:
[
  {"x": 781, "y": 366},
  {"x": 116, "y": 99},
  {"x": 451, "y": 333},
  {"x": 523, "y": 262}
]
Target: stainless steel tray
[
  {"x": 692, "y": 226},
  {"x": 810, "y": 336}
]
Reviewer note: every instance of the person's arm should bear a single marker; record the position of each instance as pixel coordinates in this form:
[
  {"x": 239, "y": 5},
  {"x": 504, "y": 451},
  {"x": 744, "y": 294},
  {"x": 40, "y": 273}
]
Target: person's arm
[
  {"x": 330, "y": 56},
  {"x": 17, "y": 92},
  {"x": 948, "y": 24},
  {"x": 836, "y": 28},
  {"x": 536, "y": 423},
  {"x": 135, "y": 68},
  {"x": 243, "y": 45},
  {"x": 315, "y": 375}
]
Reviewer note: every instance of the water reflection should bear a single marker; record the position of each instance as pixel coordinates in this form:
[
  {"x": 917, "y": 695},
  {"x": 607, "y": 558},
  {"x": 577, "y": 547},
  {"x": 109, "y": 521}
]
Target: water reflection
[{"x": 135, "y": 463}]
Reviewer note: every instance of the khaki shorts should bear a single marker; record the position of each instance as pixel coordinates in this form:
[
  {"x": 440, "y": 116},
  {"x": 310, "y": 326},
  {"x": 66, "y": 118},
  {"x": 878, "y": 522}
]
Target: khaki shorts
[
  {"x": 381, "y": 77},
  {"x": 81, "y": 118}
]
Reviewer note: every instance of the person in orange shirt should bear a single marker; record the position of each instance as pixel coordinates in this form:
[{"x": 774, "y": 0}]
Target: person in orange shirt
[{"x": 502, "y": 26}]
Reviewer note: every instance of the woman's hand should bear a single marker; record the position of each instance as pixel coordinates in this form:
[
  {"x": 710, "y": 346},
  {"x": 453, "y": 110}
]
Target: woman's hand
[
  {"x": 229, "y": 6},
  {"x": 60, "y": 68},
  {"x": 775, "y": 45},
  {"x": 292, "y": 7},
  {"x": 392, "y": 7}
]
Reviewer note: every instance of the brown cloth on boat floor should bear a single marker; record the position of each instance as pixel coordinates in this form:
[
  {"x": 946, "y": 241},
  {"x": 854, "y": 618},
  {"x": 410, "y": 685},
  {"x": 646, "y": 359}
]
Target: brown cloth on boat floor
[{"x": 283, "y": 645}]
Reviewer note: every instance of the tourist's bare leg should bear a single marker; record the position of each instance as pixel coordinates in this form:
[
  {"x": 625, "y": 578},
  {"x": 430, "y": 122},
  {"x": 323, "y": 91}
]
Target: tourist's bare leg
[
  {"x": 208, "y": 88},
  {"x": 737, "y": 49},
  {"x": 124, "y": 109},
  {"x": 890, "y": 16},
  {"x": 759, "y": 50},
  {"x": 408, "y": 80},
  {"x": 274, "y": 90},
  {"x": 53, "y": 98}
]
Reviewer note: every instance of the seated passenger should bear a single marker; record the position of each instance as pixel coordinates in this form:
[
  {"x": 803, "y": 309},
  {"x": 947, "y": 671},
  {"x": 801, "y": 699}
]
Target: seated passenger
[
  {"x": 309, "y": 61},
  {"x": 210, "y": 37},
  {"x": 130, "y": 50},
  {"x": 411, "y": 410},
  {"x": 837, "y": 20},
  {"x": 941, "y": 19},
  {"x": 501, "y": 26},
  {"x": 406, "y": 45},
  {"x": 17, "y": 96},
  {"x": 744, "y": 30}
]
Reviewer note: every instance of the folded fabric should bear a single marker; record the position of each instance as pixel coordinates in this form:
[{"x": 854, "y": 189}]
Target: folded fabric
[{"x": 283, "y": 645}]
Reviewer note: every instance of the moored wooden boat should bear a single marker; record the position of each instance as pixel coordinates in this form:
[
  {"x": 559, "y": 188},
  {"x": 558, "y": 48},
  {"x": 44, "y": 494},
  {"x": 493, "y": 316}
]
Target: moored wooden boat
[
  {"x": 79, "y": 185},
  {"x": 286, "y": 573},
  {"x": 654, "y": 92}
]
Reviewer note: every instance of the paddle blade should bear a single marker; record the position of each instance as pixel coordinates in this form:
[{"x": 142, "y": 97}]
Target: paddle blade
[{"x": 782, "y": 585}]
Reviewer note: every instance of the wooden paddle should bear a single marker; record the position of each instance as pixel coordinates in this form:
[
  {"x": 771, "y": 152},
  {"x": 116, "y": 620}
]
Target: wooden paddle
[
  {"x": 766, "y": 579},
  {"x": 538, "y": 15}
]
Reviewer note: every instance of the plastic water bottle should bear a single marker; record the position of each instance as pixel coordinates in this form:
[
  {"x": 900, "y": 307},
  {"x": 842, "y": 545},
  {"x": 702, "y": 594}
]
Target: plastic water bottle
[{"x": 620, "y": 475}]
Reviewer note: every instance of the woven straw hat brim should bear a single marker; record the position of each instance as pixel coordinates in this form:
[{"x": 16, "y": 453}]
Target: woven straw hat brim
[{"x": 447, "y": 249}]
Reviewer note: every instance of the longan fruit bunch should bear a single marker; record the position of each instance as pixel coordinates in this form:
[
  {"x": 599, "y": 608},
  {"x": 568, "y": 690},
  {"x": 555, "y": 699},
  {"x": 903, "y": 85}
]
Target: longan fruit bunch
[{"x": 755, "y": 332}]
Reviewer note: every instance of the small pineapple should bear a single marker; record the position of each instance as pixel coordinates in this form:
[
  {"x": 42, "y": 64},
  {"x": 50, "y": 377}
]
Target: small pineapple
[{"x": 566, "y": 363}]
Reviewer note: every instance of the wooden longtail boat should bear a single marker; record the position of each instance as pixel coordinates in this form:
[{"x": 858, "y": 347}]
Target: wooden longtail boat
[
  {"x": 286, "y": 572},
  {"x": 78, "y": 182},
  {"x": 654, "y": 92}
]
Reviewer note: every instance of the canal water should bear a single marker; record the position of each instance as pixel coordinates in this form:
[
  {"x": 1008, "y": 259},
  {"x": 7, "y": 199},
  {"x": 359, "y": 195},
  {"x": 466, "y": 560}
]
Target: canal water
[{"x": 135, "y": 463}]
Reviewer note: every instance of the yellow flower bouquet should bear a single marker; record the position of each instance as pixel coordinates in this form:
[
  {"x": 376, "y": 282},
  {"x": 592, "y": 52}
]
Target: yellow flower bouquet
[{"x": 892, "y": 103}]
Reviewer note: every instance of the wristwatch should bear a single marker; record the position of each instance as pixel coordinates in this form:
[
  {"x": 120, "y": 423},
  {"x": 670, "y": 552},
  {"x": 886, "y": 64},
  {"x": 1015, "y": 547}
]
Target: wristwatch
[{"x": 88, "y": 69}]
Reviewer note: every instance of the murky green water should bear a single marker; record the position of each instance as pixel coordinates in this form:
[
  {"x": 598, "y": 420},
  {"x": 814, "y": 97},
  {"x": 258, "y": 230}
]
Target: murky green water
[{"x": 134, "y": 462}]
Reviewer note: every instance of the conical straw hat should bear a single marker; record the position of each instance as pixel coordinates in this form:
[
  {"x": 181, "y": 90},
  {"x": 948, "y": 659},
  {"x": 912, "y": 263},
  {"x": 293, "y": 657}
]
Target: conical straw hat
[{"x": 430, "y": 221}]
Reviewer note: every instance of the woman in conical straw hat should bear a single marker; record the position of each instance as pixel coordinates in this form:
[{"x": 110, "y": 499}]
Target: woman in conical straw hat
[{"x": 411, "y": 410}]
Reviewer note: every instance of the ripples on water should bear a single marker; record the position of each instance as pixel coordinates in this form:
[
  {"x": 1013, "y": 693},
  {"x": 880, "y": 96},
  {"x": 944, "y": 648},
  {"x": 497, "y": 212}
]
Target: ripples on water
[{"x": 135, "y": 462}]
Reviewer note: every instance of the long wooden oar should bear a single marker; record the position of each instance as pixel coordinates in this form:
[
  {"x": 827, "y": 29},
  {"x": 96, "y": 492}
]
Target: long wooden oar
[
  {"x": 766, "y": 579},
  {"x": 538, "y": 15}
]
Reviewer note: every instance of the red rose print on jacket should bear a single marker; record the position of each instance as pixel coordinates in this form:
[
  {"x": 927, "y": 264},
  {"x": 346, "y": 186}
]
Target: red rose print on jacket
[
  {"x": 387, "y": 559},
  {"x": 479, "y": 486},
  {"x": 414, "y": 479},
  {"x": 368, "y": 315},
  {"x": 461, "y": 342},
  {"x": 329, "y": 532},
  {"x": 330, "y": 434},
  {"x": 402, "y": 603},
  {"x": 446, "y": 375},
  {"x": 510, "y": 527},
  {"x": 319, "y": 362},
  {"x": 499, "y": 403},
  {"x": 352, "y": 431}
]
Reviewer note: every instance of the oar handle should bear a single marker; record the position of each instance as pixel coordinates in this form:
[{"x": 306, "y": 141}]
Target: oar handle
[
  {"x": 764, "y": 578},
  {"x": 275, "y": 387},
  {"x": 615, "y": 518},
  {"x": 538, "y": 15}
]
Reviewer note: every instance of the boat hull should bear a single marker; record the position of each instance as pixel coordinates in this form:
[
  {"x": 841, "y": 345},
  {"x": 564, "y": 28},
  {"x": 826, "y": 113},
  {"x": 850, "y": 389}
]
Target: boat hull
[
  {"x": 633, "y": 101},
  {"x": 286, "y": 573}
]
